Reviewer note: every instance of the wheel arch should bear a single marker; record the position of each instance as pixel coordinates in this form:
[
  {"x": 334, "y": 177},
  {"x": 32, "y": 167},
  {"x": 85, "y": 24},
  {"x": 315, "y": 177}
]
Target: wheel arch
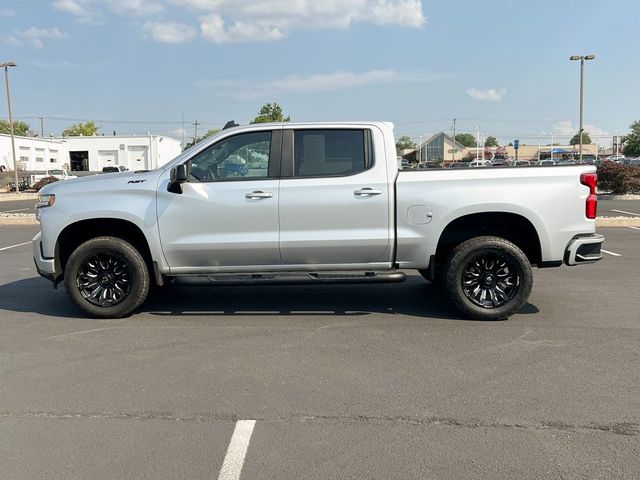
[
  {"x": 510, "y": 226},
  {"x": 75, "y": 234}
]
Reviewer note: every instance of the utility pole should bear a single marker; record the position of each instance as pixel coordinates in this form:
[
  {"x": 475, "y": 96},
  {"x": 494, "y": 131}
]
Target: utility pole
[
  {"x": 195, "y": 132},
  {"x": 41, "y": 127},
  {"x": 582, "y": 58},
  {"x": 6, "y": 66},
  {"x": 478, "y": 142},
  {"x": 453, "y": 150},
  {"x": 183, "y": 132},
  {"x": 552, "y": 146},
  {"x": 420, "y": 149}
]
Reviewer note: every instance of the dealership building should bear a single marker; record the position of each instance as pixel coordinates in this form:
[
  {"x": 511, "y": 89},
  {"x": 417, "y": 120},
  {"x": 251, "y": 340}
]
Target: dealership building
[{"x": 77, "y": 154}]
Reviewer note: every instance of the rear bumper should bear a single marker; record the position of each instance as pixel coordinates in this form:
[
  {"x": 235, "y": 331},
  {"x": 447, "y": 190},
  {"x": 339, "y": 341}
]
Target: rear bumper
[
  {"x": 584, "y": 249},
  {"x": 45, "y": 266}
]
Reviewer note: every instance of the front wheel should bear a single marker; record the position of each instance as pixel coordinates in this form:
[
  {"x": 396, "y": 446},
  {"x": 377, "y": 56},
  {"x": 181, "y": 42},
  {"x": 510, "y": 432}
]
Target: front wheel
[
  {"x": 107, "y": 277},
  {"x": 488, "y": 278}
]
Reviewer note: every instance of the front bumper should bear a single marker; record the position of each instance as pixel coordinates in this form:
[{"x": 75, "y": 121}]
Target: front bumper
[
  {"x": 584, "y": 249},
  {"x": 45, "y": 266}
]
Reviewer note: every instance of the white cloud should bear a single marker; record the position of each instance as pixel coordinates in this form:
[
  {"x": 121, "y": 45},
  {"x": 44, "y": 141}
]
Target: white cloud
[
  {"x": 224, "y": 21},
  {"x": 140, "y": 8},
  {"x": 566, "y": 128},
  {"x": 170, "y": 32},
  {"x": 34, "y": 36},
  {"x": 489, "y": 95},
  {"x": 7, "y": 12},
  {"x": 92, "y": 11},
  {"x": 78, "y": 8},
  {"x": 316, "y": 83}
]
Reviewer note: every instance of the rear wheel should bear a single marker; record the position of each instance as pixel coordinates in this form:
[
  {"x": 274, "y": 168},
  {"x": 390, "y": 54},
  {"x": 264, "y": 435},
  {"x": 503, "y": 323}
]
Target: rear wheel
[
  {"x": 488, "y": 278},
  {"x": 107, "y": 278}
]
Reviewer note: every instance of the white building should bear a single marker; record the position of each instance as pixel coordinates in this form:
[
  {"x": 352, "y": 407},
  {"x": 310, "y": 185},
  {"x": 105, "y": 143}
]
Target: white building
[{"x": 144, "y": 152}]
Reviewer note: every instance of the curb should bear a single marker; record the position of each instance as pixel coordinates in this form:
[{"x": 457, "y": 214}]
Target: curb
[
  {"x": 12, "y": 197},
  {"x": 628, "y": 196},
  {"x": 614, "y": 222},
  {"x": 24, "y": 219}
]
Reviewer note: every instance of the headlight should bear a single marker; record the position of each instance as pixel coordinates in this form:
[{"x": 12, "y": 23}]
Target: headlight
[{"x": 45, "y": 201}]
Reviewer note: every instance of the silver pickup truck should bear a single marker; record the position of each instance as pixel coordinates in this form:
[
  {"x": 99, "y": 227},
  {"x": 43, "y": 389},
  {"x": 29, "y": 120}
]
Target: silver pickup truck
[{"x": 313, "y": 202}]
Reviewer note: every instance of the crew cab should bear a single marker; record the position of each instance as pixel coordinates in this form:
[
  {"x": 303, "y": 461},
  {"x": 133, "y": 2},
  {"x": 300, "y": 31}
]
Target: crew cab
[{"x": 313, "y": 202}]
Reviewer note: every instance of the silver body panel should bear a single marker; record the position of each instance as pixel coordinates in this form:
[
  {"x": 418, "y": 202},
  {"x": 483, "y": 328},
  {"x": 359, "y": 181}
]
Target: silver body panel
[{"x": 316, "y": 224}]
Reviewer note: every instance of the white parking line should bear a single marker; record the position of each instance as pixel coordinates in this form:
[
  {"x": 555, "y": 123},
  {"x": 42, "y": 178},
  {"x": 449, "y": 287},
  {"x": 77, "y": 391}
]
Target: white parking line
[
  {"x": 16, "y": 210},
  {"x": 628, "y": 213},
  {"x": 234, "y": 459},
  {"x": 611, "y": 253},
  {"x": 634, "y": 228},
  {"x": 14, "y": 246}
]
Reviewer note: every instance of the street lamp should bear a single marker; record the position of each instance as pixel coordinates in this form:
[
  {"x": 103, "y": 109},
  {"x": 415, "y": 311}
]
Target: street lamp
[
  {"x": 6, "y": 66},
  {"x": 582, "y": 59}
]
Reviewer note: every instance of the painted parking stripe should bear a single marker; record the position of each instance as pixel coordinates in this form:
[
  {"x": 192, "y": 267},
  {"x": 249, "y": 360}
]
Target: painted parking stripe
[
  {"x": 16, "y": 210},
  {"x": 634, "y": 228},
  {"x": 234, "y": 459},
  {"x": 628, "y": 213},
  {"x": 14, "y": 246},
  {"x": 611, "y": 253}
]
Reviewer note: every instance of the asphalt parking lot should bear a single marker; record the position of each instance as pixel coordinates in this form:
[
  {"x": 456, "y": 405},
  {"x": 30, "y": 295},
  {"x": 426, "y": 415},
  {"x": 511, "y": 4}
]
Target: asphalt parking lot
[{"x": 367, "y": 381}]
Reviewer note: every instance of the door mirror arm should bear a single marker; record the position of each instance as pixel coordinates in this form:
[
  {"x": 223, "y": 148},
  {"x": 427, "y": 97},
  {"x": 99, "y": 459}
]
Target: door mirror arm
[{"x": 178, "y": 177}]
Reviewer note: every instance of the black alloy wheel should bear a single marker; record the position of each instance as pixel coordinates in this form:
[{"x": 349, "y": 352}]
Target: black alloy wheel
[
  {"x": 104, "y": 279},
  {"x": 107, "y": 277},
  {"x": 490, "y": 280}
]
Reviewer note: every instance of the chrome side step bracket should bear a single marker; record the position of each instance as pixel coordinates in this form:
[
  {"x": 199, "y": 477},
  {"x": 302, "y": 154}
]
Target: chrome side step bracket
[{"x": 329, "y": 278}]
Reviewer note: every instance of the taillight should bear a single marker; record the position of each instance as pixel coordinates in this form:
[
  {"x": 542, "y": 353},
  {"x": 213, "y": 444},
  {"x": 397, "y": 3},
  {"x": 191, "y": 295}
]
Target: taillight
[{"x": 591, "y": 181}]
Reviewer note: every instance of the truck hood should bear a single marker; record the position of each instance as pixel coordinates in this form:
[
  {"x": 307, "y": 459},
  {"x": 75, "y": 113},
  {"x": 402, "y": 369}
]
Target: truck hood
[{"x": 102, "y": 182}]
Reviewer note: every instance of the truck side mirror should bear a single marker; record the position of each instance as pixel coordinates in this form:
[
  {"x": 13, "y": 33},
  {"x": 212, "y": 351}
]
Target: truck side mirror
[{"x": 178, "y": 177}]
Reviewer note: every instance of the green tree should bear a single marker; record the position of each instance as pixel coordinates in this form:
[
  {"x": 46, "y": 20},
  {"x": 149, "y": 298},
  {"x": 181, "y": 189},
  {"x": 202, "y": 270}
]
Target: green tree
[
  {"x": 586, "y": 140},
  {"x": 19, "y": 128},
  {"x": 87, "y": 129},
  {"x": 199, "y": 139},
  {"x": 466, "y": 139},
  {"x": 404, "y": 143},
  {"x": 271, "y": 112},
  {"x": 491, "y": 142},
  {"x": 632, "y": 140}
]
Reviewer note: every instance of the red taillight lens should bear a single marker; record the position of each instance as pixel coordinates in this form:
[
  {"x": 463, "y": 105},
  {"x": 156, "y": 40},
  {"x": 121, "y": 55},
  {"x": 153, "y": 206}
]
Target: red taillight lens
[{"x": 591, "y": 181}]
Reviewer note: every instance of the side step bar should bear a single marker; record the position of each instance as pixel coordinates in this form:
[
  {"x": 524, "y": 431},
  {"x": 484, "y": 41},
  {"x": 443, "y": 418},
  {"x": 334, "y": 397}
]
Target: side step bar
[{"x": 324, "y": 278}]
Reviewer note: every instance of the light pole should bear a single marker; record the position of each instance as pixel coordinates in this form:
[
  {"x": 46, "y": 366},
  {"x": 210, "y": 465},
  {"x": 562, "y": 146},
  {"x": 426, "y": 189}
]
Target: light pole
[
  {"x": 6, "y": 66},
  {"x": 582, "y": 59},
  {"x": 478, "y": 143},
  {"x": 552, "y": 146}
]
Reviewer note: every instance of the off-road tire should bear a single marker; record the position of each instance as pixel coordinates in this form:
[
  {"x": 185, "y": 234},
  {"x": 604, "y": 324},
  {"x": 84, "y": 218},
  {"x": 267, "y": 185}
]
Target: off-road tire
[
  {"x": 461, "y": 262},
  {"x": 137, "y": 272}
]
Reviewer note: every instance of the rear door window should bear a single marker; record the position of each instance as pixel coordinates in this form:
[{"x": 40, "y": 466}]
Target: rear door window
[{"x": 323, "y": 153}]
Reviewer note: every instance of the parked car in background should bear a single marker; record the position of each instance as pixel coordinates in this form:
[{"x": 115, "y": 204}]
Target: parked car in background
[
  {"x": 522, "y": 163},
  {"x": 460, "y": 165},
  {"x": 547, "y": 162},
  {"x": 114, "y": 169},
  {"x": 566, "y": 162},
  {"x": 480, "y": 163},
  {"x": 500, "y": 162},
  {"x": 430, "y": 165},
  {"x": 56, "y": 173}
]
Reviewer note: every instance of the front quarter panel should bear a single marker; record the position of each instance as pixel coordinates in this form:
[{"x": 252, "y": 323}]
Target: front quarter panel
[{"x": 130, "y": 197}]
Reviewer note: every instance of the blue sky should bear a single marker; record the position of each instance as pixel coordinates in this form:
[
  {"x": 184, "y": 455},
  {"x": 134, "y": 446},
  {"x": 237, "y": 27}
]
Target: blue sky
[{"x": 140, "y": 65}]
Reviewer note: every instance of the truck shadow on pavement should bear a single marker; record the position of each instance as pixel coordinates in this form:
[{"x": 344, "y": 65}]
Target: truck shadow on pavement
[{"x": 414, "y": 297}]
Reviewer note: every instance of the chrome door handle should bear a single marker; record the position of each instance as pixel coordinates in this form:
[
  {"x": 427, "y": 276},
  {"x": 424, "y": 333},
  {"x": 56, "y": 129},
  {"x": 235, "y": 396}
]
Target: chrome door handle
[
  {"x": 366, "y": 191},
  {"x": 258, "y": 194}
]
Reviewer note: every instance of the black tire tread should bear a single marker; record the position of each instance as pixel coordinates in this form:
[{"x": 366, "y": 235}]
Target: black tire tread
[
  {"x": 456, "y": 260},
  {"x": 139, "y": 291}
]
